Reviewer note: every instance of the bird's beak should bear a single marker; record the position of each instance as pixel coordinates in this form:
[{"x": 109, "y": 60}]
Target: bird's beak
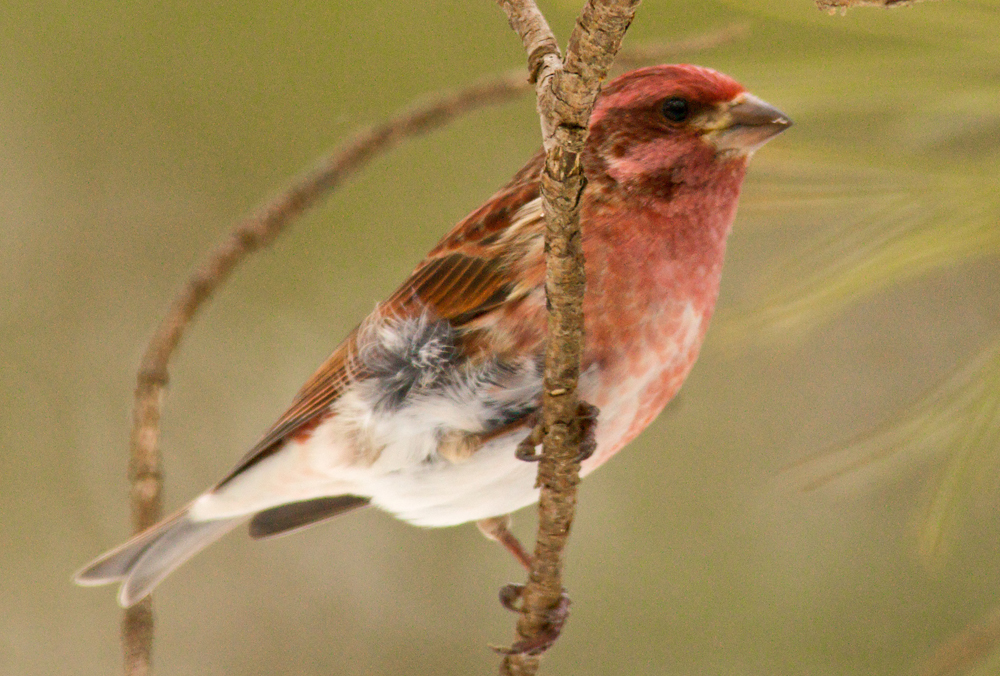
[{"x": 745, "y": 124}]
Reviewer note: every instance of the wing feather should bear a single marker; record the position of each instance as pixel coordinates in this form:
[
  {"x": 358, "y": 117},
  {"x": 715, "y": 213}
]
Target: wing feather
[{"x": 469, "y": 274}]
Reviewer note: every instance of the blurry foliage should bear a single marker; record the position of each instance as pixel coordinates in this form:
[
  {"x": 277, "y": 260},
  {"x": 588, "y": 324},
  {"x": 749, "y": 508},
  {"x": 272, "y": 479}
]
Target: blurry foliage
[
  {"x": 882, "y": 228},
  {"x": 889, "y": 230},
  {"x": 885, "y": 235},
  {"x": 929, "y": 203},
  {"x": 923, "y": 200},
  {"x": 960, "y": 418}
]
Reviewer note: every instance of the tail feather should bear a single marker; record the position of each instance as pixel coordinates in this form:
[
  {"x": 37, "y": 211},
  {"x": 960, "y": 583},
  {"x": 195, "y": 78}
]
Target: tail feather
[
  {"x": 144, "y": 561},
  {"x": 295, "y": 515}
]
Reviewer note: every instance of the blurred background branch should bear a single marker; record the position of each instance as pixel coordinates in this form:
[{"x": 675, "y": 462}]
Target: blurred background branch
[{"x": 833, "y": 6}]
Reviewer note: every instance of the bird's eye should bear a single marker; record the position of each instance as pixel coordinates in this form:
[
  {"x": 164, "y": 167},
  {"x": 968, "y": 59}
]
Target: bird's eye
[{"x": 676, "y": 109}]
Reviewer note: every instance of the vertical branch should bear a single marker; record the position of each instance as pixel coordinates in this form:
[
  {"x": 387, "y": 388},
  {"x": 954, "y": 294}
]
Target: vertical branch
[{"x": 566, "y": 90}]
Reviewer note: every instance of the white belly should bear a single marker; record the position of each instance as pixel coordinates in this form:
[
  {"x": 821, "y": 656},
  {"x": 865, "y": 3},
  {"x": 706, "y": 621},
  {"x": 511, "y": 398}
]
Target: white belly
[{"x": 390, "y": 454}]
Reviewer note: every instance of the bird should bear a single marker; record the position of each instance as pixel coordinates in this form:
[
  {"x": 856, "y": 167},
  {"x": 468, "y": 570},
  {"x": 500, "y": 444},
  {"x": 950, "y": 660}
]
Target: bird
[{"x": 420, "y": 411}]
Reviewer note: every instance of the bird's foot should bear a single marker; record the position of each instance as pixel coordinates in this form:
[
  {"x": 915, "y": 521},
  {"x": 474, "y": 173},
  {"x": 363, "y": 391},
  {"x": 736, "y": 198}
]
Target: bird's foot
[
  {"x": 587, "y": 413},
  {"x": 555, "y": 619},
  {"x": 526, "y": 449}
]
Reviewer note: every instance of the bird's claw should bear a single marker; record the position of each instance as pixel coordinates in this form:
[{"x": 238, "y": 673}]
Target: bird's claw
[
  {"x": 588, "y": 424},
  {"x": 587, "y": 414},
  {"x": 510, "y": 594},
  {"x": 555, "y": 619},
  {"x": 526, "y": 449}
]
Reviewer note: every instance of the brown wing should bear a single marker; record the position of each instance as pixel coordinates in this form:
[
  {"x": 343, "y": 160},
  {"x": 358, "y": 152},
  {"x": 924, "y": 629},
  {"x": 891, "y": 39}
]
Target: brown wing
[{"x": 466, "y": 276}]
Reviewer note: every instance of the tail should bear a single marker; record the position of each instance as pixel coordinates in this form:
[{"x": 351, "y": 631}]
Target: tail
[{"x": 144, "y": 561}]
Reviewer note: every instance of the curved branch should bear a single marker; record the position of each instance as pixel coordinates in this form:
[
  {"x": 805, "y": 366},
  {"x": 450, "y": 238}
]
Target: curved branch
[
  {"x": 641, "y": 55},
  {"x": 251, "y": 234}
]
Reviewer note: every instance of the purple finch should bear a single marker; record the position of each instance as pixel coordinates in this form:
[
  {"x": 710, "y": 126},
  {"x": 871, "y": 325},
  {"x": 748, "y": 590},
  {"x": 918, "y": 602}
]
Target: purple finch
[{"x": 421, "y": 409}]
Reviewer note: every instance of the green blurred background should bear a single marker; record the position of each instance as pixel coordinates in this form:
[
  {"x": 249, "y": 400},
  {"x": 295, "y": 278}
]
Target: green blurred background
[{"x": 862, "y": 275}]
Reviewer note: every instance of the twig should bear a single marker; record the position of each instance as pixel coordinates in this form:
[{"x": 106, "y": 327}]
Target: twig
[
  {"x": 256, "y": 232},
  {"x": 640, "y": 55},
  {"x": 832, "y": 6},
  {"x": 566, "y": 90}
]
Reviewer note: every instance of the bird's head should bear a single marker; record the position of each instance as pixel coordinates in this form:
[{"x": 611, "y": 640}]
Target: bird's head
[{"x": 665, "y": 125}]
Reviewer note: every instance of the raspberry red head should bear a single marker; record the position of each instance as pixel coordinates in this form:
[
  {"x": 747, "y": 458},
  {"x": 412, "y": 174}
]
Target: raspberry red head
[
  {"x": 656, "y": 123},
  {"x": 696, "y": 84}
]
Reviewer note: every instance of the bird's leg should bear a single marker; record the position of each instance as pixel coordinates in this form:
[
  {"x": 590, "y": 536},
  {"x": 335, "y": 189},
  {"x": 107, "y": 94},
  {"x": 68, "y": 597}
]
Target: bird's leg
[
  {"x": 587, "y": 414},
  {"x": 497, "y": 529}
]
